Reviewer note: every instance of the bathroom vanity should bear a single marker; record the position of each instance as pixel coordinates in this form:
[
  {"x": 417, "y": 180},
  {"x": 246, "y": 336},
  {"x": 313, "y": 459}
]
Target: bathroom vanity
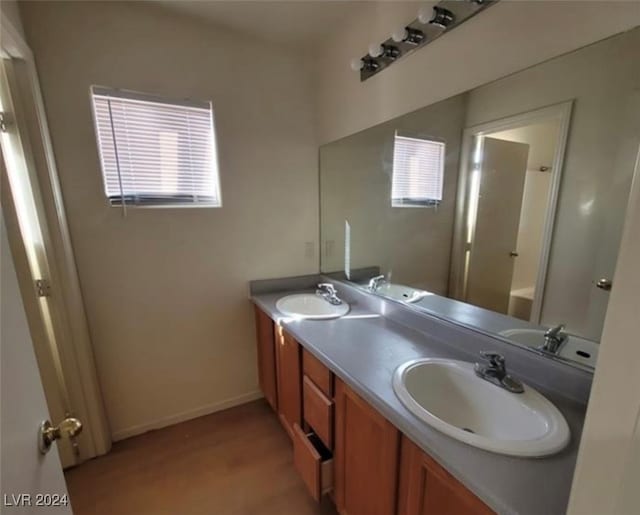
[
  {"x": 330, "y": 382},
  {"x": 458, "y": 229},
  {"x": 342, "y": 445}
]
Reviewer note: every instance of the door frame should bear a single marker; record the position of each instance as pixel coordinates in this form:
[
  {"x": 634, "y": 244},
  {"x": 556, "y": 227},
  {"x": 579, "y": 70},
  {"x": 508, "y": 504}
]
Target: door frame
[
  {"x": 75, "y": 350},
  {"x": 459, "y": 252}
]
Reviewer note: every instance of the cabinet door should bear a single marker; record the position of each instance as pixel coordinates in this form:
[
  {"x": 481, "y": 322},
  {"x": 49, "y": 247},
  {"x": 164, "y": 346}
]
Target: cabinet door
[
  {"x": 428, "y": 489},
  {"x": 289, "y": 380},
  {"x": 266, "y": 357},
  {"x": 366, "y": 457}
]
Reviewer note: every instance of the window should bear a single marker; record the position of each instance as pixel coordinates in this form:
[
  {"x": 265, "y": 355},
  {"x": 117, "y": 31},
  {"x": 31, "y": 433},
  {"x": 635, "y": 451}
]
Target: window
[
  {"x": 156, "y": 152},
  {"x": 418, "y": 169}
]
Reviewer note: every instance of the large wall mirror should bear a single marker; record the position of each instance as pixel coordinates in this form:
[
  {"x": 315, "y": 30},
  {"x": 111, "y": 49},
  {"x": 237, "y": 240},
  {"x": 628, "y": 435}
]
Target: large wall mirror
[{"x": 501, "y": 208}]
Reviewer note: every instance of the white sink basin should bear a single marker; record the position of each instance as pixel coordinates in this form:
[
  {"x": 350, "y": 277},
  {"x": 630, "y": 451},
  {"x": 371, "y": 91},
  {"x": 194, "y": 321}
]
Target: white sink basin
[
  {"x": 310, "y": 306},
  {"x": 447, "y": 395},
  {"x": 401, "y": 292},
  {"x": 575, "y": 348}
]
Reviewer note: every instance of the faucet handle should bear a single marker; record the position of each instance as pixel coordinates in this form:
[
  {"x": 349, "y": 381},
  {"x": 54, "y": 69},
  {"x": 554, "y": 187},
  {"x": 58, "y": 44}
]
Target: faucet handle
[
  {"x": 495, "y": 359},
  {"x": 328, "y": 287}
]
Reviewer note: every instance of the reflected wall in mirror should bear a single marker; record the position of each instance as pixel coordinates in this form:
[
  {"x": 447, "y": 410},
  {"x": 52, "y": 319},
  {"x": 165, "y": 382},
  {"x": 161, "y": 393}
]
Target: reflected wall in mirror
[{"x": 500, "y": 208}]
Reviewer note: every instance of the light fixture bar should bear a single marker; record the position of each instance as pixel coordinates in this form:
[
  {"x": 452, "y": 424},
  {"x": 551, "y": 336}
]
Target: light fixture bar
[{"x": 427, "y": 27}]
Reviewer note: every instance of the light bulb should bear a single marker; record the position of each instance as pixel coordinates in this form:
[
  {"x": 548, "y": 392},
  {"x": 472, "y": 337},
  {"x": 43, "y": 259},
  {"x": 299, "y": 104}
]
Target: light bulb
[
  {"x": 400, "y": 35},
  {"x": 357, "y": 64},
  {"x": 375, "y": 50},
  {"x": 424, "y": 14}
]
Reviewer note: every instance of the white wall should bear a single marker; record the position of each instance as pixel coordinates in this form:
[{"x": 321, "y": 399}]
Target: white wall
[
  {"x": 507, "y": 38},
  {"x": 165, "y": 289}
]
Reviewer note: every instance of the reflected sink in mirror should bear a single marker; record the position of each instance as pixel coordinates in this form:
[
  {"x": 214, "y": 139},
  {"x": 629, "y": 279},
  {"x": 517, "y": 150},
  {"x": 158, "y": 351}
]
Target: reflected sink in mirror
[
  {"x": 311, "y": 307},
  {"x": 449, "y": 396},
  {"x": 574, "y": 348},
  {"x": 401, "y": 292}
]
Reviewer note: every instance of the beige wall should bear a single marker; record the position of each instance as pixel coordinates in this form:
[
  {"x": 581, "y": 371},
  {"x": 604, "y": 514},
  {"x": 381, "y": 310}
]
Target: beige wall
[
  {"x": 9, "y": 9},
  {"x": 507, "y": 38},
  {"x": 165, "y": 289}
]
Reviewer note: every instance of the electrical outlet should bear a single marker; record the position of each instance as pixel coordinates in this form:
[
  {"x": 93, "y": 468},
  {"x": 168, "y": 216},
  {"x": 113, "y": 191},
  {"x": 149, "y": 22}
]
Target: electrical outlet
[
  {"x": 329, "y": 247},
  {"x": 309, "y": 249}
]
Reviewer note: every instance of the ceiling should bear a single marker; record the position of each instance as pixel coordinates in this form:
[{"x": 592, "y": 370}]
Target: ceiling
[{"x": 302, "y": 23}]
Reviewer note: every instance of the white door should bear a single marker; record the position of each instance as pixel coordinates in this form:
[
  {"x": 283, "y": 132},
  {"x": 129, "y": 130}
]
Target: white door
[
  {"x": 29, "y": 236},
  {"x": 493, "y": 248},
  {"x": 31, "y": 482}
]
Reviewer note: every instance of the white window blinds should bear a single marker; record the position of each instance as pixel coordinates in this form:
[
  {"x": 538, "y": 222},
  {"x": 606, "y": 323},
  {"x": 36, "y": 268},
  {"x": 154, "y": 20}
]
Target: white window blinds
[
  {"x": 154, "y": 151},
  {"x": 418, "y": 170}
]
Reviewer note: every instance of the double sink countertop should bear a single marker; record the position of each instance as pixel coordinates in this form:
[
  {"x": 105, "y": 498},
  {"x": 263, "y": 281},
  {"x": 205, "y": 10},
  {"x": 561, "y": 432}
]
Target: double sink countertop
[{"x": 364, "y": 348}]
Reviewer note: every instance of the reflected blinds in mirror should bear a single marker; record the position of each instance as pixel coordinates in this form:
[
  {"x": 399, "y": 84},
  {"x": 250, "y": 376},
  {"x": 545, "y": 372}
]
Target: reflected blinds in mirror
[{"x": 418, "y": 170}]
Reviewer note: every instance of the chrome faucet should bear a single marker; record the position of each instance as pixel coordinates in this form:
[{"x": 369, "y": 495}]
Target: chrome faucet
[
  {"x": 328, "y": 292},
  {"x": 496, "y": 372},
  {"x": 553, "y": 339},
  {"x": 375, "y": 282}
]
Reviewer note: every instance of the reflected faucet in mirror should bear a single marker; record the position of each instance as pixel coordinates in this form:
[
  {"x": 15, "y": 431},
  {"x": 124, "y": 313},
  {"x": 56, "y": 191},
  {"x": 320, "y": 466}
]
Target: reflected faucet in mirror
[
  {"x": 375, "y": 282},
  {"x": 554, "y": 337}
]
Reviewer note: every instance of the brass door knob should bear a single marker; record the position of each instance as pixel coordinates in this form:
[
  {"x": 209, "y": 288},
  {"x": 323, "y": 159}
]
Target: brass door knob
[{"x": 70, "y": 427}]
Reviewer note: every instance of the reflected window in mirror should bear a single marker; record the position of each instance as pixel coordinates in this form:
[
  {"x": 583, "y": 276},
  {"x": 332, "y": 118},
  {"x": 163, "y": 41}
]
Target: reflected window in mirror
[{"x": 418, "y": 171}]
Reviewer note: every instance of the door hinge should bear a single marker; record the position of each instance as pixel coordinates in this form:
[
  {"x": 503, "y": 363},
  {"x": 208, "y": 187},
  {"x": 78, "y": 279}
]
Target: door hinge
[
  {"x": 3, "y": 122},
  {"x": 43, "y": 288}
]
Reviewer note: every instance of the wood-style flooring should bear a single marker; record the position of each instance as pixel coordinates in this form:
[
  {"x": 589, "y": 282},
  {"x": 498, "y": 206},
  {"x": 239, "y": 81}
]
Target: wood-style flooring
[{"x": 235, "y": 462}]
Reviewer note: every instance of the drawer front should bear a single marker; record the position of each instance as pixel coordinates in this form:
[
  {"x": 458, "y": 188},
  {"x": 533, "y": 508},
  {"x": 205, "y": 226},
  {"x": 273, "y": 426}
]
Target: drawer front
[
  {"x": 318, "y": 373},
  {"x": 313, "y": 463},
  {"x": 317, "y": 411}
]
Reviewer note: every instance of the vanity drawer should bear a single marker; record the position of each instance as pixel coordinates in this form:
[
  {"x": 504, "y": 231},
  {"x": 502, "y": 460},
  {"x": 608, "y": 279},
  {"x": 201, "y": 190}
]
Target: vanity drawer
[
  {"x": 317, "y": 411},
  {"x": 313, "y": 462},
  {"x": 318, "y": 373}
]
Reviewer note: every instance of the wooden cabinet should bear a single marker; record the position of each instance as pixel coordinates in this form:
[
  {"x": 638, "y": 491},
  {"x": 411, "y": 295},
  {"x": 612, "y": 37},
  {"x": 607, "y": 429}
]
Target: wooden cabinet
[
  {"x": 428, "y": 489},
  {"x": 288, "y": 380},
  {"x": 366, "y": 457},
  {"x": 265, "y": 332},
  {"x": 340, "y": 442}
]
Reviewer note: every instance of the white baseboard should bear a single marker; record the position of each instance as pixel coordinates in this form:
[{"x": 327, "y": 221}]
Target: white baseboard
[{"x": 186, "y": 415}]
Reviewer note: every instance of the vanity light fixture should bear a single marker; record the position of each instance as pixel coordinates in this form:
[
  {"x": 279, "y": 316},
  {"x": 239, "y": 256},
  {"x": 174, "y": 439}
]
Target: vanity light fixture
[{"x": 431, "y": 23}]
